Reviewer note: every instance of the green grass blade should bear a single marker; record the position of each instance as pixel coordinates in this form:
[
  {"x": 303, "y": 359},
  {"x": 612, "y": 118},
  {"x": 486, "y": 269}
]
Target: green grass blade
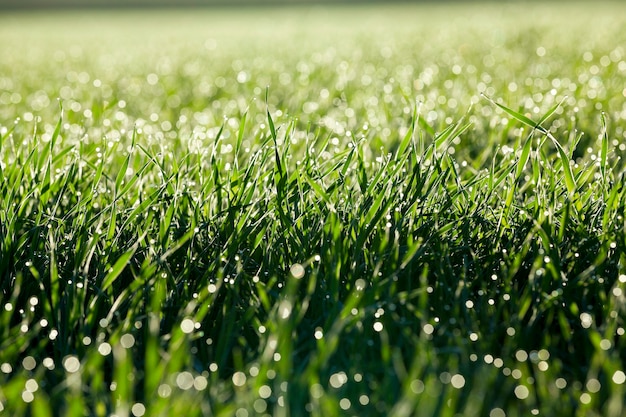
[
  {"x": 53, "y": 283},
  {"x": 112, "y": 222},
  {"x": 122, "y": 172},
  {"x": 605, "y": 147},
  {"x": 240, "y": 133},
  {"x": 551, "y": 111},
  {"x": 570, "y": 182},
  {"x": 523, "y": 159},
  {"x": 517, "y": 116},
  {"x": 408, "y": 138},
  {"x": 117, "y": 268},
  {"x": 318, "y": 190},
  {"x": 179, "y": 244},
  {"x": 425, "y": 126}
]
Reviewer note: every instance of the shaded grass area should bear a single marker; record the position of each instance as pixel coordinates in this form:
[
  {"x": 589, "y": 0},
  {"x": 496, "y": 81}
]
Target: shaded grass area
[{"x": 316, "y": 251}]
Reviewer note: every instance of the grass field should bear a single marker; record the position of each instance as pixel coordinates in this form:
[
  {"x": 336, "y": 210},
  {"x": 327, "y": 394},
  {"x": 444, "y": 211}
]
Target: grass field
[{"x": 409, "y": 210}]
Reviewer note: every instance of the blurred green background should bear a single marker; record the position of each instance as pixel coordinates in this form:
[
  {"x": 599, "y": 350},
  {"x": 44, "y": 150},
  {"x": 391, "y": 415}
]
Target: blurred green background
[
  {"x": 23, "y": 4},
  {"x": 26, "y": 4}
]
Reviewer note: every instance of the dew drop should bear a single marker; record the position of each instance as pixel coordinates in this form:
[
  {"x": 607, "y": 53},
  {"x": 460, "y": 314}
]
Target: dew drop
[
  {"x": 345, "y": 404},
  {"x": 239, "y": 379},
  {"x": 138, "y": 409},
  {"x": 593, "y": 385},
  {"x": 521, "y": 392},
  {"x": 127, "y": 341},
  {"x": 619, "y": 377},
  {"x": 458, "y": 381},
  {"x": 297, "y": 271},
  {"x": 417, "y": 386},
  {"x": 497, "y": 412},
  {"x": 164, "y": 391},
  {"x": 31, "y": 385},
  {"x": 27, "y": 396},
  {"x": 104, "y": 349},
  {"x": 200, "y": 383},
  {"x": 337, "y": 380},
  {"x": 265, "y": 391},
  {"x": 29, "y": 363},
  {"x": 319, "y": 333},
  {"x": 184, "y": 380},
  {"x": 71, "y": 364},
  {"x": 48, "y": 363},
  {"x": 187, "y": 326}
]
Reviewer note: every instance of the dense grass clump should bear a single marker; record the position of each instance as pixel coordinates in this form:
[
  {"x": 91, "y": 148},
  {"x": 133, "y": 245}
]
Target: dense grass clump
[{"x": 355, "y": 213}]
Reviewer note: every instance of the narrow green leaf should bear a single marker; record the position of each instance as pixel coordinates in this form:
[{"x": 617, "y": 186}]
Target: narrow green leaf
[
  {"x": 133, "y": 180},
  {"x": 242, "y": 126},
  {"x": 444, "y": 135},
  {"x": 425, "y": 126},
  {"x": 58, "y": 156},
  {"x": 318, "y": 189},
  {"x": 57, "y": 129},
  {"x": 179, "y": 244},
  {"x": 570, "y": 182},
  {"x": 45, "y": 152},
  {"x": 279, "y": 166},
  {"x": 112, "y": 221},
  {"x": 609, "y": 209},
  {"x": 54, "y": 272},
  {"x": 118, "y": 267},
  {"x": 166, "y": 221},
  {"x": 269, "y": 117},
  {"x": 7, "y": 134},
  {"x": 576, "y": 141},
  {"x": 346, "y": 163},
  {"x": 520, "y": 117},
  {"x": 271, "y": 124},
  {"x": 98, "y": 175},
  {"x": 121, "y": 174},
  {"x": 523, "y": 159},
  {"x": 565, "y": 219},
  {"x": 408, "y": 137},
  {"x": 551, "y": 111},
  {"x": 509, "y": 196},
  {"x": 412, "y": 253},
  {"x": 605, "y": 147},
  {"x": 141, "y": 208},
  {"x": 517, "y": 116},
  {"x": 371, "y": 212}
]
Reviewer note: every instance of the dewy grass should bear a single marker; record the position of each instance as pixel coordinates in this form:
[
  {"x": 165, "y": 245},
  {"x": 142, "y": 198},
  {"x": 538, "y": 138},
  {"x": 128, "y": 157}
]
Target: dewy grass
[{"x": 367, "y": 236}]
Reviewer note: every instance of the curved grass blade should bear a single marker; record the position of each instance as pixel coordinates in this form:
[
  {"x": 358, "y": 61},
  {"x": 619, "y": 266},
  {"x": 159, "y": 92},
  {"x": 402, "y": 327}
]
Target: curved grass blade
[
  {"x": 605, "y": 147},
  {"x": 122, "y": 172},
  {"x": 240, "y": 133},
  {"x": 518, "y": 116},
  {"x": 523, "y": 158},
  {"x": 551, "y": 111},
  {"x": 570, "y": 182},
  {"x": 409, "y": 134}
]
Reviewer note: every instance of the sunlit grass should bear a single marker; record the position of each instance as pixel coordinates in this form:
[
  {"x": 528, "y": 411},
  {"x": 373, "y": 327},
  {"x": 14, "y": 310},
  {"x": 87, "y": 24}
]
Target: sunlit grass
[{"x": 324, "y": 212}]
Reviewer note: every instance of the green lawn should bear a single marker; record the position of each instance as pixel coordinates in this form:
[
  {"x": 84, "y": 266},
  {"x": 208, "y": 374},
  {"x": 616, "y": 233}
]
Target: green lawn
[{"x": 402, "y": 210}]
